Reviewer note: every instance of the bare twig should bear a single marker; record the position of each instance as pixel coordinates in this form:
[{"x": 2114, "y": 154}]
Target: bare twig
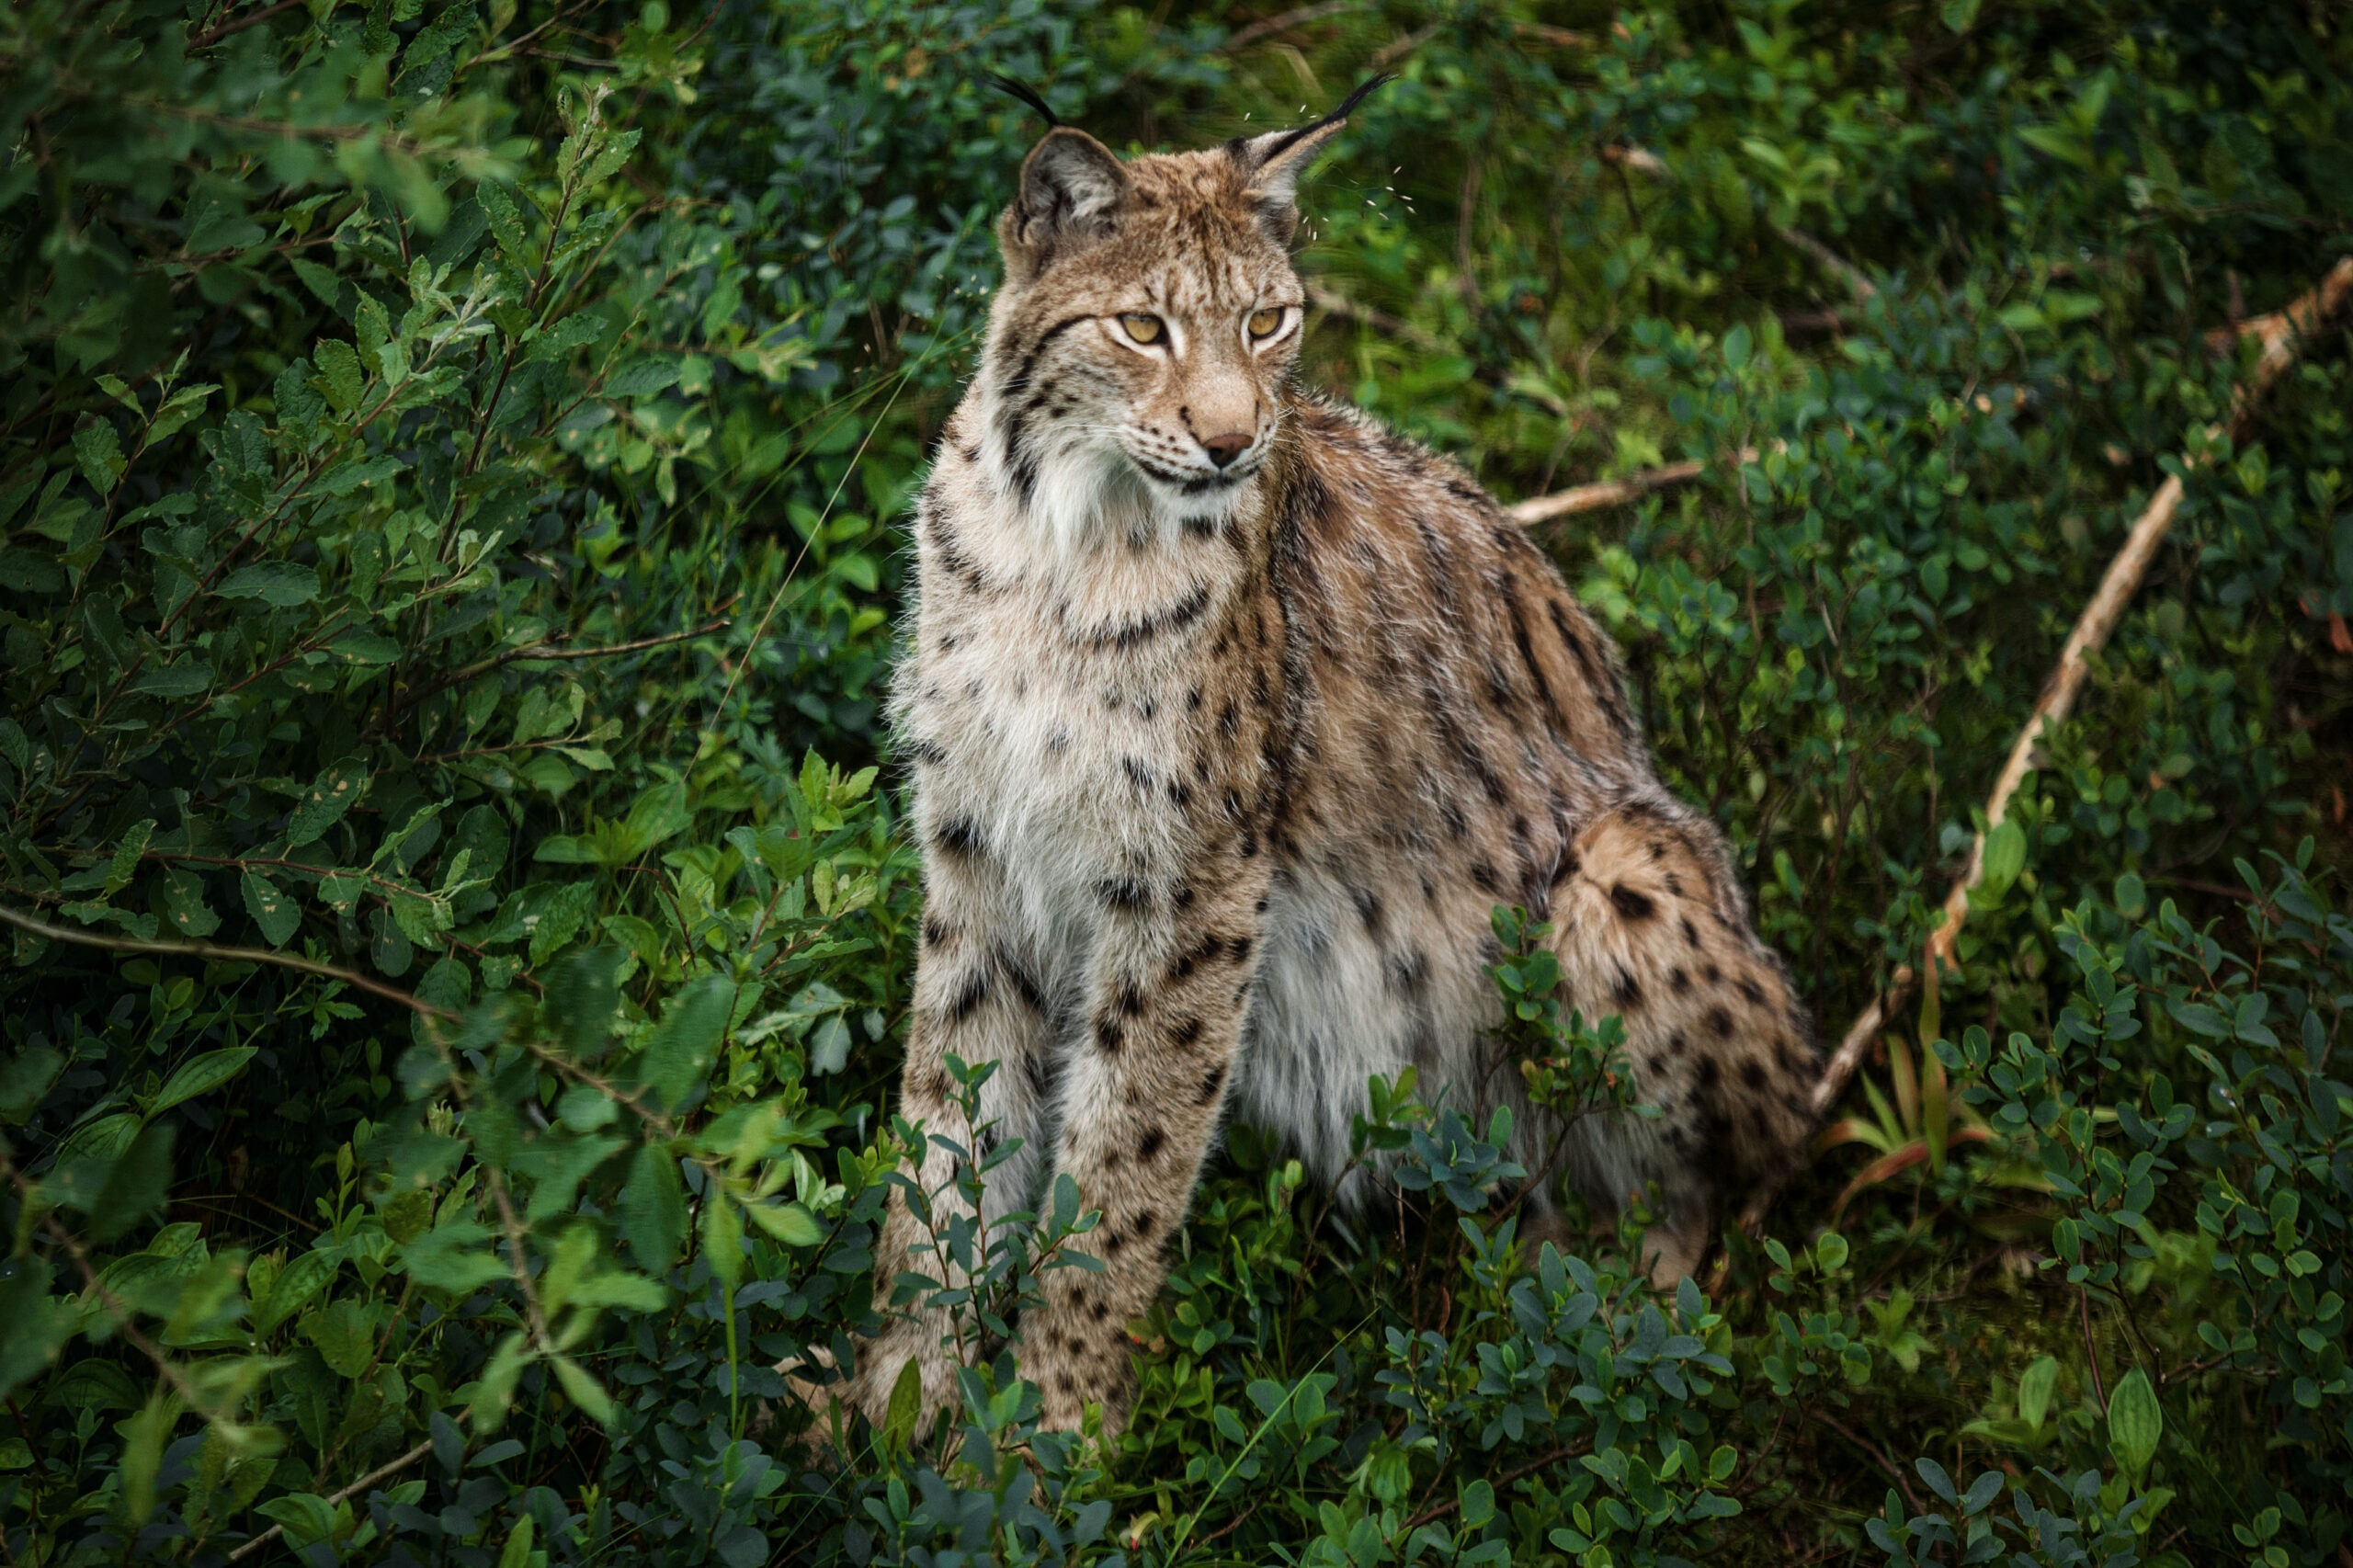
[
  {"x": 211, "y": 953},
  {"x": 2283, "y": 333},
  {"x": 2091, "y": 1351},
  {"x": 1830, "y": 261},
  {"x": 1297, "y": 17},
  {"x": 1439, "y": 1510},
  {"x": 362, "y": 1484},
  {"x": 1406, "y": 45},
  {"x": 1612, "y": 492},
  {"x": 251, "y": 18},
  {"x": 1879, "y": 1455}
]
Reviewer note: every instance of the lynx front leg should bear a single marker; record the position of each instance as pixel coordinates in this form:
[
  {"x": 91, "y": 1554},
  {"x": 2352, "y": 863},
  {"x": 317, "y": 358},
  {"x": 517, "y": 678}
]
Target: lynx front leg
[
  {"x": 975, "y": 999},
  {"x": 1168, "y": 992}
]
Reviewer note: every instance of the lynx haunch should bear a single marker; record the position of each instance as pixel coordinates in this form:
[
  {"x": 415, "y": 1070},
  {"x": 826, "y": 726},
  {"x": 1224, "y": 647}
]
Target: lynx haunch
[{"x": 1231, "y": 717}]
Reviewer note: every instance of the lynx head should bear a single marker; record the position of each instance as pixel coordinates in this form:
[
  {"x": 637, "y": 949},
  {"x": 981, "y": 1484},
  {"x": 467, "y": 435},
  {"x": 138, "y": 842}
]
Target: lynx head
[{"x": 1148, "y": 318}]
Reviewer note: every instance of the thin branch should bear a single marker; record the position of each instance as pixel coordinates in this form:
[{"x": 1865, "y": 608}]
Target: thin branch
[
  {"x": 1567, "y": 1450},
  {"x": 537, "y": 652},
  {"x": 1613, "y": 492},
  {"x": 250, "y": 19},
  {"x": 1877, "y": 1454},
  {"x": 1829, "y": 260},
  {"x": 1298, "y": 18},
  {"x": 211, "y": 953},
  {"x": 362, "y": 1484}
]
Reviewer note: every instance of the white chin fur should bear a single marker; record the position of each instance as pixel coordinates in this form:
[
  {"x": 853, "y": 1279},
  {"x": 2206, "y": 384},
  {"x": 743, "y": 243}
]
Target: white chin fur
[{"x": 1087, "y": 496}]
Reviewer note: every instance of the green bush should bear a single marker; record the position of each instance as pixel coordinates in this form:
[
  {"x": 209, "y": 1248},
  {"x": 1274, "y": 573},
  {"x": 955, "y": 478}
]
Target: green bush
[{"x": 452, "y": 458}]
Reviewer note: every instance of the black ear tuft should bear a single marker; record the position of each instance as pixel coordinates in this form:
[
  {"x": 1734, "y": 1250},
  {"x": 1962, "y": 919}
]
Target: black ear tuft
[
  {"x": 1026, "y": 93},
  {"x": 1271, "y": 164},
  {"x": 1270, "y": 148}
]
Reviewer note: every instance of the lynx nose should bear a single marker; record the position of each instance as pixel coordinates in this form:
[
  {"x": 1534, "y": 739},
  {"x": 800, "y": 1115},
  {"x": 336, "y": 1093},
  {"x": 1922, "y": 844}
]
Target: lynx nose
[{"x": 1223, "y": 449}]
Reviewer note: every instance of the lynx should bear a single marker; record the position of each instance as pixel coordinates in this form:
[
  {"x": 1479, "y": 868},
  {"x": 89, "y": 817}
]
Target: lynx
[{"x": 1230, "y": 718}]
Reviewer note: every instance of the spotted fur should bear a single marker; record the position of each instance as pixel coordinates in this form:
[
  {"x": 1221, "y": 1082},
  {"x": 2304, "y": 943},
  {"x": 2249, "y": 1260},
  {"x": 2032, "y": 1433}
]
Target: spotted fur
[{"x": 1230, "y": 717}]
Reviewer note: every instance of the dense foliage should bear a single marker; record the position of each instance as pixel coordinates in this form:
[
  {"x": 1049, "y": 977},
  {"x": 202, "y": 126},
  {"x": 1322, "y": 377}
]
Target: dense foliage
[{"x": 451, "y": 458}]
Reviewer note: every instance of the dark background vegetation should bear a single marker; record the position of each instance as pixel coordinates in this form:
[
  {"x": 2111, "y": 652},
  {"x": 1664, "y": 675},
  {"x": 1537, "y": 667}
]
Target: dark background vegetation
[{"x": 452, "y": 461}]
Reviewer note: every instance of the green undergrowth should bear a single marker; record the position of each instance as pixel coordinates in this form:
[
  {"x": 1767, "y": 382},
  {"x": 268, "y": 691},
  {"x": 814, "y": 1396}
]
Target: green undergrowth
[{"x": 454, "y": 458}]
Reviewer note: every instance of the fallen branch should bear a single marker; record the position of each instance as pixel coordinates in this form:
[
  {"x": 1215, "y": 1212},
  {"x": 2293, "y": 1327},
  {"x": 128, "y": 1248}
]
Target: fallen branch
[
  {"x": 362, "y": 1484},
  {"x": 212, "y": 954},
  {"x": 1830, "y": 261},
  {"x": 2283, "y": 333},
  {"x": 1299, "y": 17},
  {"x": 1612, "y": 492}
]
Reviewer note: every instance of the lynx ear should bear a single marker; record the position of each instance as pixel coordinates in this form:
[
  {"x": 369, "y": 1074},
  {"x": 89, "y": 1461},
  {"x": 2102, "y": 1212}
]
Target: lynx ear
[
  {"x": 1272, "y": 164},
  {"x": 1072, "y": 189}
]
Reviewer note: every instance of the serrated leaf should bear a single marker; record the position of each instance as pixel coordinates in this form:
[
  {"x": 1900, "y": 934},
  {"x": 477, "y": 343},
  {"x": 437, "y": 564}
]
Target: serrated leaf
[{"x": 339, "y": 377}]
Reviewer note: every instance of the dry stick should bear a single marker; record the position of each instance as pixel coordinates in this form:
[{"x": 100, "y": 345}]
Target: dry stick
[
  {"x": 1332, "y": 303},
  {"x": 2283, "y": 333},
  {"x": 362, "y": 1484},
  {"x": 1284, "y": 23},
  {"x": 1830, "y": 261},
  {"x": 1613, "y": 492},
  {"x": 206, "y": 951}
]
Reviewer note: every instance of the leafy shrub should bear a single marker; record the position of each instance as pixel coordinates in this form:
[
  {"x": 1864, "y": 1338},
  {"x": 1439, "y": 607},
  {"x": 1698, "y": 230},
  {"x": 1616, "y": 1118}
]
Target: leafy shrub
[{"x": 452, "y": 461}]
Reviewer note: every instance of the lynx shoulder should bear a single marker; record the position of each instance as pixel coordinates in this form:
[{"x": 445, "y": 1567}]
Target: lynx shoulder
[{"x": 1230, "y": 717}]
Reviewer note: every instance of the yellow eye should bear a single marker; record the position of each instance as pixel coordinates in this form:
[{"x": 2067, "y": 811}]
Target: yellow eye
[
  {"x": 1263, "y": 324},
  {"x": 1143, "y": 329}
]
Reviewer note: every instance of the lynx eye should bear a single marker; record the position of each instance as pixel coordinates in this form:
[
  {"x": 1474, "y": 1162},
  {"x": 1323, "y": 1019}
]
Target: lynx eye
[
  {"x": 1266, "y": 323},
  {"x": 1142, "y": 328}
]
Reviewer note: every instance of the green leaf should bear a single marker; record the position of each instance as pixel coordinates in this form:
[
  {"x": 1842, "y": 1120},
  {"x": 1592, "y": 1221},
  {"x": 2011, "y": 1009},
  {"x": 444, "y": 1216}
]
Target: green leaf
[
  {"x": 39, "y": 1323},
  {"x": 202, "y": 1074},
  {"x": 686, "y": 1041},
  {"x": 280, "y": 583},
  {"x": 789, "y": 1223},
  {"x": 323, "y": 804},
  {"x": 99, "y": 451},
  {"x": 1960, "y": 14},
  {"x": 582, "y": 994},
  {"x": 2135, "y": 1422},
  {"x": 904, "y": 1409},
  {"x": 127, "y": 854},
  {"x": 278, "y": 915},
  {"x": 2005, "y": 858},
  {"x": 585, "y": 1393},
  {"x": 25, "y": 1081},
  {"x": 454, "y": 1257},
  {"x": 185, "y": 909},
  {"x": 1737, "y": 345},
  {"x": 653, "y": 1209},
  {"x": 2035, "y": 1385},
  {"x": 136, "y": 1186}
]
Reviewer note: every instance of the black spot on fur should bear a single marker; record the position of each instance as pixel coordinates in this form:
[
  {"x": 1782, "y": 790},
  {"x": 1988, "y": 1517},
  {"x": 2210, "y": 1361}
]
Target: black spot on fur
[
  {"x": 959, "y": 836},
  {"x": 1129, "y": 999},
  {"x": 1211, "y": 1083},
  {"x": 1407, "y": 972},
  {"x": 1368, "y": 910},
  {"x": 1633, "y": 905},
  {"x": 1690, "y": 933},
  {"x": 1720, "y": 1023},
  {"x": 1484, "y": 875},
  {"x": 1139, "y": 773},
  {"x": 967, "y": 1001},
  {"x": 935, "y": 930},
  {"x": 1626, "y": 990},
  {"x": 1750, "y": 992},
  {"x": 1752, "y": 1073},
  {"x": 1680, "y": 981},
  {"x": 1109, "y": 1036},
  {"x": 1124, "y": 893},
  {"x": 1152, "y": 1144}
]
